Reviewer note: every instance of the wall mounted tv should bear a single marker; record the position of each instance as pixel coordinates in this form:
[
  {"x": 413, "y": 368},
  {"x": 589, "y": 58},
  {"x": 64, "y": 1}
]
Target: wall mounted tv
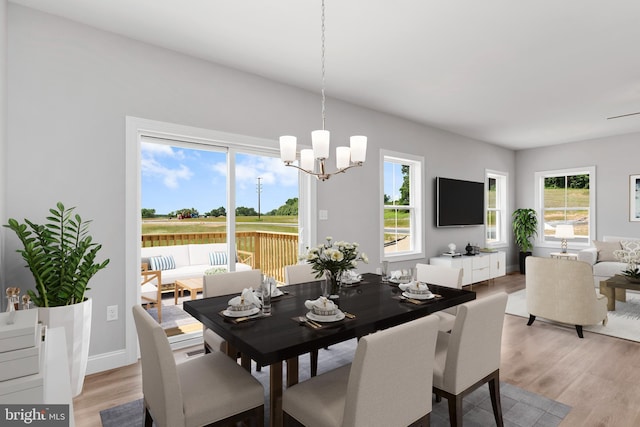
[{"x": 459, "y": 203}]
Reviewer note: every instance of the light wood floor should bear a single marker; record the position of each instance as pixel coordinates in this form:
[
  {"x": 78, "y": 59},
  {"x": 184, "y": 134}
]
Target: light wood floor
[{"x": 598, "y": 376}]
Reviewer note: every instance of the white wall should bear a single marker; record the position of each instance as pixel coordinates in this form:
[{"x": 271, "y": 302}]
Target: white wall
[
  {"x": 615, "y": 158},
  {"x": 71, "y": 87}
]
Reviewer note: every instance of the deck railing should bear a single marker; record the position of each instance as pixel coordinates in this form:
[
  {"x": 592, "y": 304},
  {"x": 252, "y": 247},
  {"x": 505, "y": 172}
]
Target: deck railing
[{"x": 271, "y": 251}]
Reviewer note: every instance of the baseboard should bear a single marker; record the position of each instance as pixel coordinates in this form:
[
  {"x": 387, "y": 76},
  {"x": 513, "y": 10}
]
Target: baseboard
[{"x": 106, "y": 361}]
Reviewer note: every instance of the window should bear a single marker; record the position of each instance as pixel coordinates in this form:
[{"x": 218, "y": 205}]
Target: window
[
  {"x": 496, "y": 203},
  {"x": 402, "y": 210},
  {"x": 566, "y": 197}
]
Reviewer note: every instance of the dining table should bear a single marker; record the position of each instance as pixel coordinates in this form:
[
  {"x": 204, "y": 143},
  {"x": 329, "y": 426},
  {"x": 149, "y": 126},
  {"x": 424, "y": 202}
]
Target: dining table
[{"x": 370, "y": 305}]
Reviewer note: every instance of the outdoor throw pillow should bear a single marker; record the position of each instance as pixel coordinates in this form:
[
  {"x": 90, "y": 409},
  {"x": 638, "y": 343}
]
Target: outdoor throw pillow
[
  {"x": 162, "y": 262},
  {"x": 218, "y": 258},
  {"x": 605, "y": 250}
]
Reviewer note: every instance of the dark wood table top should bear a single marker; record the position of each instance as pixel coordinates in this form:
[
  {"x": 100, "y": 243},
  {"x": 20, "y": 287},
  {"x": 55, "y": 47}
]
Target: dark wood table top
[{"x": 278, "y": 337}]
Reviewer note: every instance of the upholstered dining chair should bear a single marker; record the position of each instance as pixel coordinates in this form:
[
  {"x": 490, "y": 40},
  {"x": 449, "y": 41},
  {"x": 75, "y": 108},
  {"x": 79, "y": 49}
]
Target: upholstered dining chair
[
  {"x": 151, "y": 288},
  {"x": 294, "y": 275},
  {"x": 369, "y": 392},
  {"x": 443, "y": 276},
  {"x": 469, "y": 356},
  {"x": 206, "y": 390},
  {"x": 223, "y": 284},
  {"x": 299, "y": 273}
]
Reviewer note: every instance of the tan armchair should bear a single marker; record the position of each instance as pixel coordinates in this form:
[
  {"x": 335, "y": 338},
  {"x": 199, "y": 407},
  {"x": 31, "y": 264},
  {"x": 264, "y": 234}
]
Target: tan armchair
[{"x": 562, "y": 291}]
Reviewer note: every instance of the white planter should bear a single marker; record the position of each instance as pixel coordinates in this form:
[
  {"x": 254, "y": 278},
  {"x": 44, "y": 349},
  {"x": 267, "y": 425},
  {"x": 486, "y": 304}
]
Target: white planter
[{"x": 76, "y": 321}]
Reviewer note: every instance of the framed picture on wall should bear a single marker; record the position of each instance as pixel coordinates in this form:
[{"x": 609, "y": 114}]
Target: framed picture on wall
[{"x": 634, "y": 198}]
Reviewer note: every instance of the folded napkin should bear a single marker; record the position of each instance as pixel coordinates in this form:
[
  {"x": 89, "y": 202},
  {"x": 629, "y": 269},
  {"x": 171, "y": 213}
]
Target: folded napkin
[
  {"x": 247, "y": 297},
  {"x": 414, "y": 286},
  {"x": 322, "y": 303},
  {"x": 397, "y": 274},
  {"x": 350, "y": 275}
]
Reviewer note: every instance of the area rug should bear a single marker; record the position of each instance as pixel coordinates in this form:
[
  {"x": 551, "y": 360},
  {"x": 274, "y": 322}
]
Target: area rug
[
  {"x": 623, "y": 323},
  {"x": 519, "y": 407}
]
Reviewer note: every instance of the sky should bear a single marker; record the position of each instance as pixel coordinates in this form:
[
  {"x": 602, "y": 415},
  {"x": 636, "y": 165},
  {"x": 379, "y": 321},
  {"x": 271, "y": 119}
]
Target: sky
[{"x": 176, "y": 178}]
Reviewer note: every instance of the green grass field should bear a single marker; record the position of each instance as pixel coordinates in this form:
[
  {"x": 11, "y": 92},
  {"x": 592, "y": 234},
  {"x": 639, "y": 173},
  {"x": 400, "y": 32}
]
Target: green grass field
[{"x": 275, "y": 224}]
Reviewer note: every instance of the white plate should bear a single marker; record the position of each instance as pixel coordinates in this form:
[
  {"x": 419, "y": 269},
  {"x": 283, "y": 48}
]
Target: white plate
[
  {"x": 418, "y": 296},
  {"x": 235, "y": 313},
  {"x": 276, "y": 293},
  {"x": 333, "y": 318},
  {"x": 351, "y": 281},
  {"x": 400, "y": 281}
]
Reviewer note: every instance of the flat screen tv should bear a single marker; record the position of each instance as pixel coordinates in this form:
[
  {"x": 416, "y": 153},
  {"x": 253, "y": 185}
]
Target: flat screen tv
[{"x": 459, "y": 203}]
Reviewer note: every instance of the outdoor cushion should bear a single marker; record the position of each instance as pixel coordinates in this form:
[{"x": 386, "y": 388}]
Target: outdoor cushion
[
  {"x": 218, "y": 258},
  {"x": 162, "y": 262}
]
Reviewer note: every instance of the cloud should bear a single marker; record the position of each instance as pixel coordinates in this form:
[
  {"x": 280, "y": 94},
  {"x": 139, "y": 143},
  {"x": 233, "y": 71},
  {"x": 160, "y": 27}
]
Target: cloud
[{"x": 170, "y": 176}]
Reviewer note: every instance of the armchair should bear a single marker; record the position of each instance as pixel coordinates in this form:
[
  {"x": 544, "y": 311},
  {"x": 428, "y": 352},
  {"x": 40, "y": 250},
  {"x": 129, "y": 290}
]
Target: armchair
[{"x": 562, "y": 291}]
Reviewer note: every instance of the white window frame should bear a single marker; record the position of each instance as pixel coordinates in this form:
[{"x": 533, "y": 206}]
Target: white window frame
[
  {"x": 135, "y": 129},
  {"x": 416, "y": 207},
  {"x": 502, "y": 218},
  {"x": 539, "y": 206}
]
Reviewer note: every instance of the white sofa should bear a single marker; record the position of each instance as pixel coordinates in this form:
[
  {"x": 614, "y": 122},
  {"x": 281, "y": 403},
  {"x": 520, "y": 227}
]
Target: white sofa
[
  {"x": 192, "y": 260},
  {"x": 601, "y": 257}
]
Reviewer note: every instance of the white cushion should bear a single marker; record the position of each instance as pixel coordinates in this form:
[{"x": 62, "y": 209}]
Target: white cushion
[
  {"x": 199, "y": 253},
  {"x": 180, "y": 253}
]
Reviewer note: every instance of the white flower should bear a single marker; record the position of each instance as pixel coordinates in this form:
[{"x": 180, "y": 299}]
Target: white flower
[
  {"x": 329, "y": 238},
  {"x": 354, "y": 263},
  {"x": 365, "y": 258}
]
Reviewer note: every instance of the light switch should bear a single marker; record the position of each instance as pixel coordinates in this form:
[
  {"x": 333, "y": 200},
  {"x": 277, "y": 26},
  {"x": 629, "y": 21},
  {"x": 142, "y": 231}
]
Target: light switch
[{"x": 323, "y": 214}]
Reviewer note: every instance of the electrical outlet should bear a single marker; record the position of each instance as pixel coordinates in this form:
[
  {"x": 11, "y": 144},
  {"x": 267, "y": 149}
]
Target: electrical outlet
[
  {"x": 323, "y": 214},
  {"x": 112, "y": 313}
]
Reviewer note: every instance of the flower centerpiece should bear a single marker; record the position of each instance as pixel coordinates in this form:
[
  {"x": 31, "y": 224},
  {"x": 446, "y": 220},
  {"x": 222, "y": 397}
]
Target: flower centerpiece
[{"x": 332, "y": 258}]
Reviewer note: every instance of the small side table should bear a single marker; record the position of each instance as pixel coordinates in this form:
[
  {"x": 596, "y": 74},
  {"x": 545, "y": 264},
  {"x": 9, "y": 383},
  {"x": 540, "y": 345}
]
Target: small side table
[
  {"x": 192, "y": 285},
  {"x": 565, "y": 255}
]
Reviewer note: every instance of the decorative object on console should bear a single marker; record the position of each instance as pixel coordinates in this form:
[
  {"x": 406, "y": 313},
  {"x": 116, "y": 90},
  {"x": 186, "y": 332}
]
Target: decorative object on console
[
  {"x": 525, "y": 226},
  {"x": 346, "y": 157},
  {"x": 452, "y": 248},
  {"x": 564, "y": 232},
  {"x": 469, "y": 249}
]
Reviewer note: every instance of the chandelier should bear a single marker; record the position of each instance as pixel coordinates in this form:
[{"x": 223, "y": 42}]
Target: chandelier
[{"x": 346, "y": 157}]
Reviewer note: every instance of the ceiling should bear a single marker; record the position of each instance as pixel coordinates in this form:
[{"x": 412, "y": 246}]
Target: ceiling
[{"x": 519, "y": 74}]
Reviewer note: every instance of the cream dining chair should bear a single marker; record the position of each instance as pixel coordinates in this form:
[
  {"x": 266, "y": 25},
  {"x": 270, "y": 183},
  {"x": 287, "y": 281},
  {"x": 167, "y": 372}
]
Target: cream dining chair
[
  {"x": 443, "y": 276},
  {"x": 388, "y": 383},
  {"x": 294, "y": 275},
  {"x": 469, "y": 356},
  {"x": 206, "y": 390},
  {"x": 224, "y": 284}
]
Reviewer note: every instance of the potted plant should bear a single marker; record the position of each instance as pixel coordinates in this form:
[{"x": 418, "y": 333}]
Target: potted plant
[
  {"x": 525, "y": 226},
  {"x": 61, "y": 255}
]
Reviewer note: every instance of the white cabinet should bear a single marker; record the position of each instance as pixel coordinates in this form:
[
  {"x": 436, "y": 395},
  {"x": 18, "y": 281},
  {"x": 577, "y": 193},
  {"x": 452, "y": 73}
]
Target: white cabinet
[{"x": 479, "y": 268}]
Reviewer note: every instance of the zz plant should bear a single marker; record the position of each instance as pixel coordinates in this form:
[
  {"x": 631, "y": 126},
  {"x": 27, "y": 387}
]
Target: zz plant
[{"x": 61, "y": 256}]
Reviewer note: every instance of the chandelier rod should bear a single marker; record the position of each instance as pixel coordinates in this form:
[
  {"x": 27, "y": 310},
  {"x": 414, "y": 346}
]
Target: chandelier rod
[{"x": 322, "y": 27}]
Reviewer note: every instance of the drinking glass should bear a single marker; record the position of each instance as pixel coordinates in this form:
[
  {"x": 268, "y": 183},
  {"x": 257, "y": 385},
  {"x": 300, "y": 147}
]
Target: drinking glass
[
  {"x": 385, "y": 271},
  {"x": 265, "y": 292},
  {"x": 324, "y": 287}
]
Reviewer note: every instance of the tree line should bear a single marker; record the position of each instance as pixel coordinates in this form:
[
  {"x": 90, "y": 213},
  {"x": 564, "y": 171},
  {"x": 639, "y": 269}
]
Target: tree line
[{"x": 290, "y": 207}]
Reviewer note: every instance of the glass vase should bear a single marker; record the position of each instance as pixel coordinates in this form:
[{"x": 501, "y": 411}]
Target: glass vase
[{"x": 332, "y": 283}]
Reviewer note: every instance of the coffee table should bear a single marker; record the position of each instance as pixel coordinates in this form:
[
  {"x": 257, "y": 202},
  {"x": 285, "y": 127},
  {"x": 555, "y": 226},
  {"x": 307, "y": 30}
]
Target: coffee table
[
  {"x": 614, "y": 288},
  {"x": 193, "y": 285}
]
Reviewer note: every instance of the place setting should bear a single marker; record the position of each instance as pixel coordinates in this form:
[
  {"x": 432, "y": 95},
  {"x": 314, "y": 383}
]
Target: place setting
[
  {"x": 322, "y": 313},
  {"x": 350, "y": 279},
  {"x": 416, "y": 292}
]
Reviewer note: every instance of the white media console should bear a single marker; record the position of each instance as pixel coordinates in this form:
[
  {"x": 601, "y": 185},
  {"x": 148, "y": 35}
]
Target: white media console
[{"x": 478, "y": 268}]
